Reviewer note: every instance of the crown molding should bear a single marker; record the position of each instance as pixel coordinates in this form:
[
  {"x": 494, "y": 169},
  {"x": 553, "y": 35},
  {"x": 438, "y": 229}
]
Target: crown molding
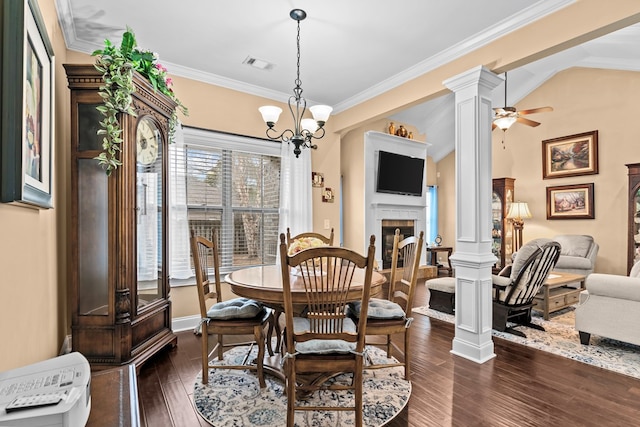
[{"x": 537, "y": 11}]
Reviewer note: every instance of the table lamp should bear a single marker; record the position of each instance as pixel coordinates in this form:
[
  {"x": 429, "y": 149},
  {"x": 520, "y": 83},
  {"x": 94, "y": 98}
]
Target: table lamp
[{"x": 517, "y": 213}]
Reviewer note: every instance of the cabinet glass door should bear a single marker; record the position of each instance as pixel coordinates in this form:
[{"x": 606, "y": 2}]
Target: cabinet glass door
[
  {"x": 636, "y": 227},
  {"x": 496, "y": 232},
  {"x": 508, "y": 232},
  {"x": 149, "y": 213}
]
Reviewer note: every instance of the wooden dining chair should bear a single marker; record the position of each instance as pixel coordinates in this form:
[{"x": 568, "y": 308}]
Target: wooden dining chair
[
  {"x": 322, "y": 237},
  {"x": 239, "y": 316},
  {"x": 325, "y": 341},
  {"x": 327, "y": 241},
  {"x": 394, "y": 314}
]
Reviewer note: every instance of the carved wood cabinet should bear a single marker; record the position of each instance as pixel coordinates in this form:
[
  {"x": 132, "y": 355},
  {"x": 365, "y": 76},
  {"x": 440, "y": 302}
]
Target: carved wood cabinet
[
  {"x": 633, "y": 235},
  {"x": 501, "y": 232},
  {"x": 117, "y": 230}
]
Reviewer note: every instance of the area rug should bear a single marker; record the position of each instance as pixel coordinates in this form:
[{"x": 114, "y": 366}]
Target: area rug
[
  {"x": 234, "y": 397},
  {"x": 562, "y": 339}
]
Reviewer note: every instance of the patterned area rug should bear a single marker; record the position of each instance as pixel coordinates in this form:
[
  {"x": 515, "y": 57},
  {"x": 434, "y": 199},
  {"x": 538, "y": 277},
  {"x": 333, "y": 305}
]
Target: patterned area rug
[
  {"x": 562, "y": 339},
  {"x": 234, "y": 398}
]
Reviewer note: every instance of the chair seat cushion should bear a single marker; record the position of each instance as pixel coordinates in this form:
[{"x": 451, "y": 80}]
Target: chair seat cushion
[
  {"x": 237, "y": 308},
  {"x": 301, "y": 324},
  {"x": 378, "y": 309},
  {"x": 574, "y": 262}
]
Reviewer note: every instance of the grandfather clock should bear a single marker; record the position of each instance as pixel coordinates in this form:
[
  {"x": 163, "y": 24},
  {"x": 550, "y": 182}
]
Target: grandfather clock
[{"x": 117, "y": 231}]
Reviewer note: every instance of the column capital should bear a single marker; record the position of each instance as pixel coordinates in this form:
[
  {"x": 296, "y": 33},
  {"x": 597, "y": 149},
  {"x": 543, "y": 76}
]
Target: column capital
[{"x": 477, "y": 76}]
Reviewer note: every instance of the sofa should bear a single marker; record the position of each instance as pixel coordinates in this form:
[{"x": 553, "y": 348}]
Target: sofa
[
  {"x": 610, "y": 307},
  {"x": 578, "y": 253}
]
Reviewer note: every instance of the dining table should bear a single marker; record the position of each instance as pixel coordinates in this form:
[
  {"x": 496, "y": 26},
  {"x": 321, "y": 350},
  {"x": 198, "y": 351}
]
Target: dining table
[{"x": 264, "y": 284}]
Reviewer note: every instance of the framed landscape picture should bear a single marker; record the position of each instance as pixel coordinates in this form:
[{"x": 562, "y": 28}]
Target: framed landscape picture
[
  {"x": 27, "y": 106},
  {"x": 570, "y": 202},
  {"x": 571, "y": 155}
]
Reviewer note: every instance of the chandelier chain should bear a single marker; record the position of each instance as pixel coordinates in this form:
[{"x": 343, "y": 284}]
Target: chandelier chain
[{"x": 298, "y": 81}]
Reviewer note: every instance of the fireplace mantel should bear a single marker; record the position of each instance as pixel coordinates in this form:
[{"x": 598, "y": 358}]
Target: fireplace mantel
[{"x": 381, "y": 206}]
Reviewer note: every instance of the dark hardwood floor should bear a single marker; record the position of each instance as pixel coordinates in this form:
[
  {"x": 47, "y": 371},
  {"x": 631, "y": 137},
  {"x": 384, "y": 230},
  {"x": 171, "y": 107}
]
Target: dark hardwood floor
[{"x": 520, "y": 387}]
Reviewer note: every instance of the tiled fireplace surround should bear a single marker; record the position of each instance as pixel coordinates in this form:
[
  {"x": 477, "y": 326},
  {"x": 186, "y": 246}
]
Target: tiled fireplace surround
[{"x": 395, "y": 207}]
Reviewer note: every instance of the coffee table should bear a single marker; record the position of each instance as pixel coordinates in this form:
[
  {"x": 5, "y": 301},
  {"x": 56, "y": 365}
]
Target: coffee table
[{"x": 556, "y": 295}]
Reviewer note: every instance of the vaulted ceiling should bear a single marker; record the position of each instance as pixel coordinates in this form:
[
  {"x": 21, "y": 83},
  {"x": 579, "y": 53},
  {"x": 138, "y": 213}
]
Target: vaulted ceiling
[{"x": 351, "y": 51}]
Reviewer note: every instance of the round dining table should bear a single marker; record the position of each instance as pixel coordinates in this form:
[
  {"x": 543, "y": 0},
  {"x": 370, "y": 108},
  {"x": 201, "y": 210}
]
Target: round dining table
[{"x": 264, "y": 284}]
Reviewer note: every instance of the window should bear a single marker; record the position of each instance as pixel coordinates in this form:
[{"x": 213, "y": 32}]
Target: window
[{"x": 232, "y": 185}]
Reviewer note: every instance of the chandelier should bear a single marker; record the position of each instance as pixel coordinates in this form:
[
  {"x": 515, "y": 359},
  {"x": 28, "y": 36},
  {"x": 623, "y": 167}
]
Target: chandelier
[{"x": 304, "y": 129}]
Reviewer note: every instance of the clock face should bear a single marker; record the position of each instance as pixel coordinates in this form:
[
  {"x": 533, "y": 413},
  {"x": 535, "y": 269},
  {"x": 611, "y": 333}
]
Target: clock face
[{"x": 147, "y": 140}]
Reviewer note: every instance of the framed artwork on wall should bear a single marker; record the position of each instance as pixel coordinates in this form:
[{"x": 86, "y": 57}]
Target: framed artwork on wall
[
  {"x": 327, "y": 195},
  {"x": 571, "y": 155},
  {"x": 570, "y": 202},
  {"x": 27, "y": 106},
  {"x": 317, "y": 179}
]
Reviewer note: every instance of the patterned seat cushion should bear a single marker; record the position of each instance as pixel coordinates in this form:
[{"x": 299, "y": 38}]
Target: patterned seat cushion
[
  {"x": 378, "y": 309},
  {"x": 237, "y": 308}
]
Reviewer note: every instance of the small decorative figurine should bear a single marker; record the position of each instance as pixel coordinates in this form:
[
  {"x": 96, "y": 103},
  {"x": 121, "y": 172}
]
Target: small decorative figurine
[{"x": 402, "y": 131}]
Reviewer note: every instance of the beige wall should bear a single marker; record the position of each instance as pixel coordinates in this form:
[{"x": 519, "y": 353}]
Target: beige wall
[
  {"x": 33, "y": 303},
  {"x": 32, "y": 252},
  {"x": 583, "y": 100}
]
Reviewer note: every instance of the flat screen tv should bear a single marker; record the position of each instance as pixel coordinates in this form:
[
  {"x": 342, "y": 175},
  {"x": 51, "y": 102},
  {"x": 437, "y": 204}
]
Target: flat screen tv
[{"x": 398, "y": 174}]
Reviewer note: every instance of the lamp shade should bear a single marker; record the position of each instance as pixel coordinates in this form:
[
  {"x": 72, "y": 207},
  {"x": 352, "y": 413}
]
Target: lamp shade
[
  {"x": 519, "y": 210},
  {"x": 309, "y": 125},
  {"x": 270, "y": 113},
  {"x": 321, "y": 113},
  {"x": 504, "y": 123}
]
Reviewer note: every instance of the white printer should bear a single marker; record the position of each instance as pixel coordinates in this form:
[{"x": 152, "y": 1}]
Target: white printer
[{"x": 55, "y": 392}]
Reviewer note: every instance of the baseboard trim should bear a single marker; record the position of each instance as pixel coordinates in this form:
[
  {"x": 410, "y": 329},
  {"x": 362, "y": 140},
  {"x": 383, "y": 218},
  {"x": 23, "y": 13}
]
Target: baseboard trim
[
  {"x": 180, "y": 324},
  {"x": 65, "y": 348}
]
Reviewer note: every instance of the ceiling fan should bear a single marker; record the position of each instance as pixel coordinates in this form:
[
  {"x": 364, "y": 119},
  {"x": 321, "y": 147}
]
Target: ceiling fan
[{"x": 506, "y": 116}]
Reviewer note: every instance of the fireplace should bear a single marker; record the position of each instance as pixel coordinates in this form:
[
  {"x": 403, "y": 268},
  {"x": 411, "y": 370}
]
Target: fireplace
[
  {"x": 407, "y": 228},
  {"x": 403, "y": 210}
]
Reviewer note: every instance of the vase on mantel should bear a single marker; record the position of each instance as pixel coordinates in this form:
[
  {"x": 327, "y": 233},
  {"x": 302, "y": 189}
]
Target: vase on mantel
[{"x": 402, "y": 131}]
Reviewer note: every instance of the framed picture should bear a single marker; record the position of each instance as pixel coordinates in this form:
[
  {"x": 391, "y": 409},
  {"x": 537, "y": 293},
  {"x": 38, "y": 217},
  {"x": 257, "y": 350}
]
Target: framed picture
[
  {"x": 327, "y": 195},
  {"x": 570, "y": 202},
  {"x": 571, "y": 155},
  {"x": 27, "y": 106},
  {"x": 317, "y": 179}
]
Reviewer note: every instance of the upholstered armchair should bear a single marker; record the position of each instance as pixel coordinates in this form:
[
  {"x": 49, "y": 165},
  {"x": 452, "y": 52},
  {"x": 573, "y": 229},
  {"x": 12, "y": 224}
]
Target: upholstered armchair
[
  {"x": 578, "y": 254},
  {"x": 610, "y": 307}
]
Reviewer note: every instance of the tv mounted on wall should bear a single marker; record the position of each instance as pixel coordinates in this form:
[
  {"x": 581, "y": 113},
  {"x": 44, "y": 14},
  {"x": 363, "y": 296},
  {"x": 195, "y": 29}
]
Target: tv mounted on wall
[{"x": 398, "y": 174}]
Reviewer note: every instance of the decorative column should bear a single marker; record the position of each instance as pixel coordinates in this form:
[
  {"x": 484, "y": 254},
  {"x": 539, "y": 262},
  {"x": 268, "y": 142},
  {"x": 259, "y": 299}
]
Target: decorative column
[{"x": 473, "y": 258}]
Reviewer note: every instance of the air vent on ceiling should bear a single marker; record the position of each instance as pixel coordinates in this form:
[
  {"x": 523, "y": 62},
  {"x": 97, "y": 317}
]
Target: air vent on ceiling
[{"x": 258, "y": 63}]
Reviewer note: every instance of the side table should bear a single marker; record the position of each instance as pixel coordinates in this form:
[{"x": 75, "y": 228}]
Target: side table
[{"x": 433, "y": 259}]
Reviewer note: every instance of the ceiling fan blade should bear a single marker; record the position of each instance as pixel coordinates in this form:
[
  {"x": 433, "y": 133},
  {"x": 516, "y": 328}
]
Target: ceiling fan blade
[
  {"x": 527, "y": 122},
  {"x": 535, "y": 110},
  {"x": 493, "y": 126}
]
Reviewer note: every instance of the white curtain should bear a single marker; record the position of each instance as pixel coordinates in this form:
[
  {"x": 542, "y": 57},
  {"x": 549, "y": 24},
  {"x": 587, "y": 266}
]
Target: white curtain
[
  {"x": 295, "y": 191},
  {"x": 179, "y": 246}
]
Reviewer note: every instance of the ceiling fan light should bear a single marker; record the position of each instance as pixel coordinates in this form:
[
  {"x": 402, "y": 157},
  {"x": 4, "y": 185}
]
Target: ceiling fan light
[{"x": 504, "y": 123}]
